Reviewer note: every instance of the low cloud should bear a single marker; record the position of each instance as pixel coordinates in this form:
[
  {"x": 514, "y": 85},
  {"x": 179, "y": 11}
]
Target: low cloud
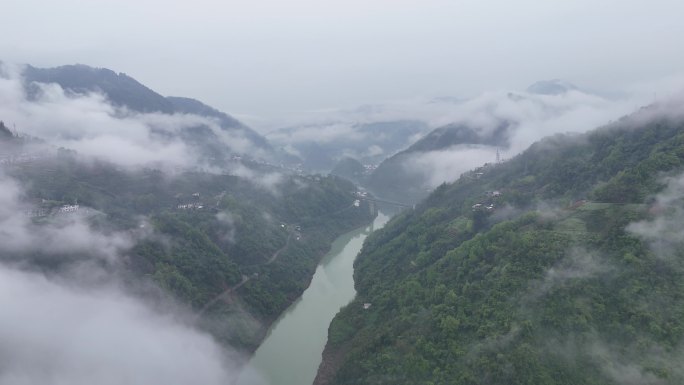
[
  {"x": 621, "y": 364},
  {"x": 227, "y": 221},
  {"x": 68, "y": 233},
  {"x": 532, "y": 117},
  {"x": 324, "y": 133},
  {"x": 665, "y": 231},
  {"x": 53, "y": 334},
  {"x": 621, "y": 369},
  {"x": 92, "y": 126},
  {"x": 266, "y": 180},
  {"x": 448, "y": 164},
  {"x": 79, "y": 326},
  {"x": 578, "y": 264}
]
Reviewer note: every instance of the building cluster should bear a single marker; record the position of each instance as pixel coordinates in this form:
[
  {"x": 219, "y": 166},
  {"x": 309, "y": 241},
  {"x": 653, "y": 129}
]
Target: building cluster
[
  {"x": 7, "y": 160},
  {"x": 369, "y": 168},
  {"x": 38, "y": 212},
  {"x": 190, "y": 206},
  {"x": 191, "y": 203},
  {"x": 488, "y": 204},
  {"x": 485, "y": 207},
  {"x": 68, "y": 209}
]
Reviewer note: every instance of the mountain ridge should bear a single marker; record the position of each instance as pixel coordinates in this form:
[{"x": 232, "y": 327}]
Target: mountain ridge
[
  {"x": 124, "y": 91},
  {"x": 540, "y": 270}
]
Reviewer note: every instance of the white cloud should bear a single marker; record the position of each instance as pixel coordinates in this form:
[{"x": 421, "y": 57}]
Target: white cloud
[
  {"x": 90, "y": 125},
  {"x": 65, "y": 234},
  {"x": 53, "y": 334},
  {"x": 665, "y": 231},
  {"x": 532, "y": 116},
  {"x": 267, "y": 180},
  {"x": 324, "y": 133}
]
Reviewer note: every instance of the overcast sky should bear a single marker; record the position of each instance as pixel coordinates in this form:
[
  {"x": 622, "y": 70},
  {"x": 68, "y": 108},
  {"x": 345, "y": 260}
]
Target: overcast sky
[{"x": 272, "y": 57}]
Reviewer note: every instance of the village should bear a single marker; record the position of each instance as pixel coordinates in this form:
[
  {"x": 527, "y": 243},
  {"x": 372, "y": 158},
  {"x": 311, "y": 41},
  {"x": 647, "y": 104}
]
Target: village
[
  {"x": 488, "y": 204},
  {"x": 44, "y": 210}
]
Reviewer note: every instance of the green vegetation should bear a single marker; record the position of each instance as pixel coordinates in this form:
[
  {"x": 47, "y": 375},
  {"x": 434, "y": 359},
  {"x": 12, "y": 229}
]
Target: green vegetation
[
  {"x": 349, "y": 168},
  {"x": 235, "y": 253},
  {"x": 394, "y": 180},
  {"x": 547, "y": 287}
]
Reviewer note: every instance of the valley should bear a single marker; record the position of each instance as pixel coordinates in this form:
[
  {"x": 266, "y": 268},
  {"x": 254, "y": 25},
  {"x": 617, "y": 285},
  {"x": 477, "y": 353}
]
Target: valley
[
  {"x": 571, "y": 257},
  {"x": 342, "y": 192}
]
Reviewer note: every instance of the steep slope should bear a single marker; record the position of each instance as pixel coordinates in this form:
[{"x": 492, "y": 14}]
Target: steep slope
[
  {"x": 234, "y": 252},
  {"x": 124, "y": 91},
  {"x": 320, "y": 146},
  {"x": 5, "y": 133},
  {"x": 349, "y": 168},
  {"x": 192, "y": 106},
  {"x": 120, "y": 89},
  {"x": 560, "y": 266},
  {"x": 396, "y": 179},
  {"x": 507, "y": 122}
]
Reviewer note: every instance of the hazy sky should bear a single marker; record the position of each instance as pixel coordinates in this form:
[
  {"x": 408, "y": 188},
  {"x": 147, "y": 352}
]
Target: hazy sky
[{"x": 271, "y": 57}]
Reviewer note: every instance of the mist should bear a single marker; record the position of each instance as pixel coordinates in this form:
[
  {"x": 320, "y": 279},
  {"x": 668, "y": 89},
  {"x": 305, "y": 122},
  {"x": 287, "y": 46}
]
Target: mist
[
  {"x": 56, "y": 334},
  {"x": 92, "y": 126},
  {"x": 66, "y": 234},
  {"x": 530, "y": 117},
  {"x": 78, "y": 325},
  {"x": 311, "y": 77},
  {"x": 99, "y": 131},
  {"x": 664, "y": 232}
]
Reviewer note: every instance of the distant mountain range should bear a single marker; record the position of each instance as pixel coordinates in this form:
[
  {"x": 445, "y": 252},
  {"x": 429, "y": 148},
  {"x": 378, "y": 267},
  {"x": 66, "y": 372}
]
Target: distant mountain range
[
  {"x": 124, "y": 91},
  {"x": 196, "y": 234},
  {"x": 320, "y": 146},
  {"x": 552, "y": 87},
  {"x": 393, "y": 179},
  {"x": 482, "y": 126},
  {"x": 562, "y": 265},
  {"x": 405, "y": 149}
]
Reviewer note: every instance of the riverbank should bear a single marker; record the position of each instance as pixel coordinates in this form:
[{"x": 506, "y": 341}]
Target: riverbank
[
  {"x": 241, "y": 315},
  {"x": 292, "y": 350}
]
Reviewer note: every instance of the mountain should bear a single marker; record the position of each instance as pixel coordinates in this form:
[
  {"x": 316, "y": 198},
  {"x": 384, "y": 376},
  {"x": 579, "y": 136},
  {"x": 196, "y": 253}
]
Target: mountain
[
  {"x": 395, "y": 179},
  {"x": 232, "y": 251},
  {"x": 123, "y": 91},
  {"x": 563, "y": 265},
  {"x": 120, "y": 89},
  {"x": 551, "y": 87},
  {"x": 192, "y": 106},
  {"x": 495, "y": 122},
  {"x": 320, "y": 146},
  {"x": 349, "y": 168},
  {"x": 457, "y": 134},
  {"x": 94, "y": 194},
  {"x": 5, "y": 133}
]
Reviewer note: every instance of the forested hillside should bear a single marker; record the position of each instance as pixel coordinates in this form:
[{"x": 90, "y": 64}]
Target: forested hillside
[
  {"x": 319, "y": 146},
  {"x": 396, "y": 179},
  {"x": 123, "y": 91},
  {"x": 561, "y": 266},
  {"x": 235, "y": 252}
]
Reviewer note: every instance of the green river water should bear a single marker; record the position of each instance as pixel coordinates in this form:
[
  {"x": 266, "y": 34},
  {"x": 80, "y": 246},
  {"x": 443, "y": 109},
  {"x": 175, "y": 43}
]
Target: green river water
[{"x": 291, "y": 352}]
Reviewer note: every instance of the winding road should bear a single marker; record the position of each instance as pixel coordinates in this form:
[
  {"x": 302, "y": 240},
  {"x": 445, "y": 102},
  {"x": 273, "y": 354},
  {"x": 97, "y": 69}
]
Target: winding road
[{"x": 225, "y": 295}]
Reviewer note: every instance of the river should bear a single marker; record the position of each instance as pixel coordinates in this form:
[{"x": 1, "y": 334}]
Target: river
[{"x": 291, "y": 352}]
